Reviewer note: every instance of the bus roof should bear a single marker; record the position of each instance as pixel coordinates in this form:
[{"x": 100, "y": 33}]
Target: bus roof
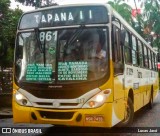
[{"x": 68, "y": 5}]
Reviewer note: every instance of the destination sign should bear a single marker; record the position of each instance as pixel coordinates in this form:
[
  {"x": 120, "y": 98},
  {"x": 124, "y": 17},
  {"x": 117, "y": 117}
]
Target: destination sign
[
  {"x": 72, "y": 71},
  {"x": 64, "y": 16},
  {"x": 37, "y": 72}
]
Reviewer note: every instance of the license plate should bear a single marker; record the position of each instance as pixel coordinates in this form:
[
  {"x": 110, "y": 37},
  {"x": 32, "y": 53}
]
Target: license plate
[{"x": 95, "y": 118}]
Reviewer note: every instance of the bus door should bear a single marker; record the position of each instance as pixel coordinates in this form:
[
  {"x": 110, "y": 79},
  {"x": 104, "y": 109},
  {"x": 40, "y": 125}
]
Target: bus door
[
  {"x": 118, "y": 76},
  {"x": 118, "y": 63}
]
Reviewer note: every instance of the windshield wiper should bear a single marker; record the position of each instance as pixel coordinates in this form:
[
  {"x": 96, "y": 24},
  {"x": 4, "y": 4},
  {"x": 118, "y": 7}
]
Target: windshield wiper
[
  {"x": 73, "y": 37},
  {"x": 36, "y": 30},
  {"x": 76, "y": 34},
  {"x": 40, "y": 45}
]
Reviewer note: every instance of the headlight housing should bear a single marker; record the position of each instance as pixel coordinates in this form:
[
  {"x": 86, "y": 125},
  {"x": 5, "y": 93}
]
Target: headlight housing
[
  {"x": 98, "y": 99},
  {"x": 21, "y": 99}
]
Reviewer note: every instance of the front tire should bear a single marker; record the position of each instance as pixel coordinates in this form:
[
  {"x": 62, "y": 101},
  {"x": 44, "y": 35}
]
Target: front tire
[{"x": 129, "y": 114}]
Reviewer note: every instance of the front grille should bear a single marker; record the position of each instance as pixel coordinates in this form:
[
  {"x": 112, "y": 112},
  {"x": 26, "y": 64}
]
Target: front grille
[
  {"x": 69, "y": 104},
  {"x": 56, "y": 115},
  {"x": 51, "y": 104},
  {"x": 44, "y": 103}
]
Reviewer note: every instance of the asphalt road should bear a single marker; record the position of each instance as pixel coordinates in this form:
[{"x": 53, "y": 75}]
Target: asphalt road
[{"x": 144, "y": 120}]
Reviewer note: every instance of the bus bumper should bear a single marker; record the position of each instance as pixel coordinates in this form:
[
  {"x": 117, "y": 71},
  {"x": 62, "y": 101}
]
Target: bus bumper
[{"x": 98, "y": 117}]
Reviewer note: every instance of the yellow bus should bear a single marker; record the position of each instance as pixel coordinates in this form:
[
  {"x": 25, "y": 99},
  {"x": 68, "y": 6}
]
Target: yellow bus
[{"x": 81, "y": 65}]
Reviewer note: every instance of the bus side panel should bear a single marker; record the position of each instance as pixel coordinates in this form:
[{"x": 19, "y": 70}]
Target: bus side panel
[
  {"x": 156, "y": 85},
  {"x": 118, "y": 87},
  {"x": 118, "y": 111},
  {"x": 119, "y": 100},
  {"x": 138, "y": 101},
  {"x": 146, "y": 96}
]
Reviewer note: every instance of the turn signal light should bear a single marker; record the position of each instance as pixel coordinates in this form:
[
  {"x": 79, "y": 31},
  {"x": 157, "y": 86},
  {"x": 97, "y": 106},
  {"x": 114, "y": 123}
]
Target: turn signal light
[
  {"x": 107, "y": 91},
  {"x": 92, "y": 104}
]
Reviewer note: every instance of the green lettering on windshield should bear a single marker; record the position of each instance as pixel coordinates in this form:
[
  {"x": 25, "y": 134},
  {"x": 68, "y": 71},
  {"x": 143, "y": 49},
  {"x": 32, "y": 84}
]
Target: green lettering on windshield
[
  {"x": 37, "y": 72},
  {"x": 72, "y": 71}
]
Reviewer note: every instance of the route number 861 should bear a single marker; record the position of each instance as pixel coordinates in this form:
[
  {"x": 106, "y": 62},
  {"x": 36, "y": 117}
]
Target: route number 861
[{"x": 48, "y": 36}]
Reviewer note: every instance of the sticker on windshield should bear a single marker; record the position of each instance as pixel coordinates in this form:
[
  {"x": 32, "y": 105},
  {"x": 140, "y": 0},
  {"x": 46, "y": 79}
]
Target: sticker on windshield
[
  {"x": 37, "y": 72},
  {"x": 72, "y": 71},
  {"x": 52, "y": 50}
]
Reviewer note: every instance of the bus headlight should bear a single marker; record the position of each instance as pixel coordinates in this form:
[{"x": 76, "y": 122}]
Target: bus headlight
[
  {"x": 21, "y": 99},
  {"x": 98, "y": 99}
]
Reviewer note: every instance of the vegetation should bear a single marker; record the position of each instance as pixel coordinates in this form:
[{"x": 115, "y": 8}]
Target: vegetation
[
  {"x": 37, "y": 3},
  {"x": 148, "y": 25},
  {"x": 152, "y": 22},
  {"x": 8, "y": 25},
  {"x": 123, "y": 9}
]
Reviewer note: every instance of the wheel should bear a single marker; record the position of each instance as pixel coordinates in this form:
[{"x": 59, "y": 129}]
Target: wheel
[
  {"x": 150, "y": 104},
  {"x": 129, "y": 114}
]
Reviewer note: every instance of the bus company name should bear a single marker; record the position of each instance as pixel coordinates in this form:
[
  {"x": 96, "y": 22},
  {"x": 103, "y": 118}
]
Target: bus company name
[{"x": 63, "y": 16}]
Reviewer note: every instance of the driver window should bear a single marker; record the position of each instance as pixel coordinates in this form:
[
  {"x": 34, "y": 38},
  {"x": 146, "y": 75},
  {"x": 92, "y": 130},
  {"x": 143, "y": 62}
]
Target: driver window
[
  {"x": 93, "y": 46},
  {"x": 94, "y": 51}
]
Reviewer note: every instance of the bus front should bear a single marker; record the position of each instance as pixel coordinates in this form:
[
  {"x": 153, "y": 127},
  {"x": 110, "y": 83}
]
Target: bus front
[{"x": 62, "y": 67}]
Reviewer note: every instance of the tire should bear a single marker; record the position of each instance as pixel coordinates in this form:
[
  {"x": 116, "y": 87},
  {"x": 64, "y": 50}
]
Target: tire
[
  {"x": 150, "y": 104},
  {"x": 129, "y": 114}
]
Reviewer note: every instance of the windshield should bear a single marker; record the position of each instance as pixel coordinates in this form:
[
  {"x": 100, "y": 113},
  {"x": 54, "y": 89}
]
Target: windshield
[{"x": 62, "y": 56}]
